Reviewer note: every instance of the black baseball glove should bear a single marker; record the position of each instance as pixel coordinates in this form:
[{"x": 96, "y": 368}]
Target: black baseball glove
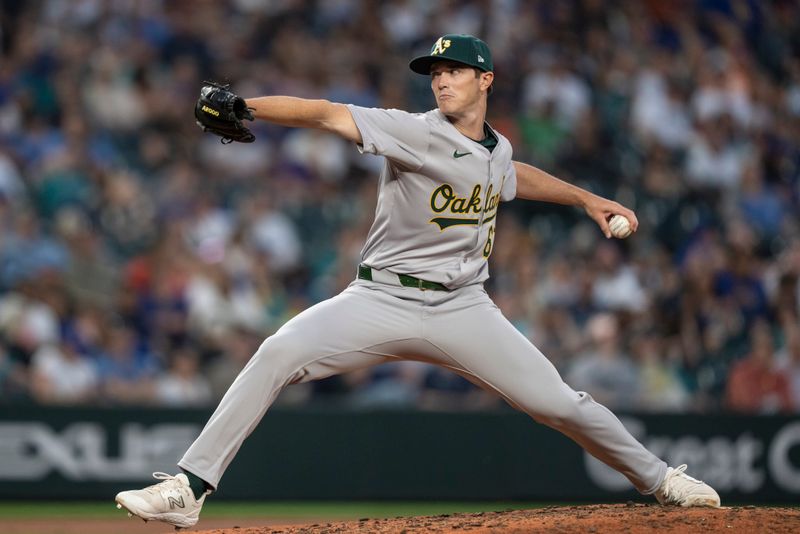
[{"x": 220, "y": 111}]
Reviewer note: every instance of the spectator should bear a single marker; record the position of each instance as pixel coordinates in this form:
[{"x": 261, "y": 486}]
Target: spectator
[
  {"x": 714, "y": 161},
  {"x": 62, "y": 375},
  {"x": 14, "y": 378},
  {"x": 27, "y": 322},
  {"x": 91, "y": 277},
  {"x": 660, "y": 385},
  {"x": 393, "y": 385},
  {"x": 616, "y": 286},
  {"x": 659, "y": 113},
  {"x": 603, "y": 370},
  {"x": 235, "y": 350},
  {"x": 756, "y": 385},
  {"x": 273, "y": 233},
  {"x": 28, "y": 251},
  {"x": 126, "y": 216},
  {"x": 182, "y": 384},
  {"x": 760, "y": 203},
  {"x": 12, "y": 188},
  {"x": 788, "y": 359},
  {"x": 556, "y": 88},
  {"x": 443, "y": 390},
  {"x": 125, "y": 369}
]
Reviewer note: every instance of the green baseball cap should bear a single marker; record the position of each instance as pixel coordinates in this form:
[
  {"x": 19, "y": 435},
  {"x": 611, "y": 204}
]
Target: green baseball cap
[{"x": 462, "y": 48}]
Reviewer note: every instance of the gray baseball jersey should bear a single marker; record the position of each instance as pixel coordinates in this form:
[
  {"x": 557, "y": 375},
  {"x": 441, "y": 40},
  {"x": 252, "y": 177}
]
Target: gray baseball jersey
[
  {"x": 439, "y": 195},
  {"x": 437, "y": 205}
]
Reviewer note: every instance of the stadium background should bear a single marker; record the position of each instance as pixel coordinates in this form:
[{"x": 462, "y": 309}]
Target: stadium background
[{"x": 141, "y": 262}]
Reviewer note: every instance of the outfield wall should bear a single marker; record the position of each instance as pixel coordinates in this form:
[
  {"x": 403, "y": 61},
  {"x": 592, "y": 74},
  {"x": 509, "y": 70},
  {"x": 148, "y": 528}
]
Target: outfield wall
[{"x": 48, "y": 453}]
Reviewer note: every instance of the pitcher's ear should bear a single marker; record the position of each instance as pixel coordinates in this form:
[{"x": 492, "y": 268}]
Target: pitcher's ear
[{"x": 487, "y": 80}]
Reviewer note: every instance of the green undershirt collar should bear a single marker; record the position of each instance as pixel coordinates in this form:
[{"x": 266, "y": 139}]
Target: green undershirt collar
[{"x": 489, "y": 140}]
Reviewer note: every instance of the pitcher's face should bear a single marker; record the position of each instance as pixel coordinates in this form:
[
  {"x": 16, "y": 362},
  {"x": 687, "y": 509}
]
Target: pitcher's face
[{"x": 457, "y": 87}]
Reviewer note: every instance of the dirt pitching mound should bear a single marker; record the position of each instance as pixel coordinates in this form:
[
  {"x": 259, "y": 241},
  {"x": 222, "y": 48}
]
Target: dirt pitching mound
[{"x": 628, "y": 518}]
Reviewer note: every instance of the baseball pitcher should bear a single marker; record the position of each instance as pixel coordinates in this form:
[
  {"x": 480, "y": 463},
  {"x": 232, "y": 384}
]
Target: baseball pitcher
[{"x": 418, "y": 292}]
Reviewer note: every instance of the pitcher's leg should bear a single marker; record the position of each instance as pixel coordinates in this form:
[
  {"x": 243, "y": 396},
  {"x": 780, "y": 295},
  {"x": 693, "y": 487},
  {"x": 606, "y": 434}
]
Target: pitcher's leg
[
  {"x": 341, "y": 334},
  {"x": 487, "y": 346}
]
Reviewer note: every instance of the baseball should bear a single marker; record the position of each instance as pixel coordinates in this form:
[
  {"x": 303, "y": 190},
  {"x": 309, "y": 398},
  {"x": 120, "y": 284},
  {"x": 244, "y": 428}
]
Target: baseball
[{"x": 619, "y": 226}]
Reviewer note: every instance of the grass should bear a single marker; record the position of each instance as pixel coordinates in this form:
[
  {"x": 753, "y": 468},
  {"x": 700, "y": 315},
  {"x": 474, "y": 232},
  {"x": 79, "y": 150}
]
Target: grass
[{"x": 287, "y": 509}]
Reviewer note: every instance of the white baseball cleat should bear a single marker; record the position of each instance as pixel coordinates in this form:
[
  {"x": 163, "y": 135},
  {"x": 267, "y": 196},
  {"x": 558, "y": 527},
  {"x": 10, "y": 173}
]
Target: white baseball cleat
[
  {"x": 170, "y": 501},
  {"x": 679, "y": 489}
]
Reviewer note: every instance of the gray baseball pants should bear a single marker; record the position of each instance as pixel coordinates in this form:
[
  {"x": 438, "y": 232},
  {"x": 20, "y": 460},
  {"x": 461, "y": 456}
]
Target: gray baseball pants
[{"x": 463, "y": 330}]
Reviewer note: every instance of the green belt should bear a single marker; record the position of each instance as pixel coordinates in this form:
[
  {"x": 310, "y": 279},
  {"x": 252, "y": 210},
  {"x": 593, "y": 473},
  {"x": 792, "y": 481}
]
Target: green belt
[{"x": 365, "y": 273}]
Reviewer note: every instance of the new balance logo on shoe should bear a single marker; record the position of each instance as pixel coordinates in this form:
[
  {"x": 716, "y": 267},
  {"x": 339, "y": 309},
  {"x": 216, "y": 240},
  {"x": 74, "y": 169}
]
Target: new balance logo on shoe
[{"x": 173, "y": 502}]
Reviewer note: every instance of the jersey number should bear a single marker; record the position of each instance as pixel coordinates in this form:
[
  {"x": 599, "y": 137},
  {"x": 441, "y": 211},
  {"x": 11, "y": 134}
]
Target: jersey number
[{"x": 487, "y": 248}]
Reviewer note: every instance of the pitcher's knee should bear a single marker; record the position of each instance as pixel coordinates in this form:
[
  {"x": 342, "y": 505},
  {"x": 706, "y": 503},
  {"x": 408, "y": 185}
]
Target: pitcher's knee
[
  {"x": 280, "y": 355},
  {"x": 565, "y": 411}
]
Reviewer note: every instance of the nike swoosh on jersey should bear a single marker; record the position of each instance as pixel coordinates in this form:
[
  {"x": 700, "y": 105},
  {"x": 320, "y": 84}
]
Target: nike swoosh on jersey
[{"x": 457, "y": 155}]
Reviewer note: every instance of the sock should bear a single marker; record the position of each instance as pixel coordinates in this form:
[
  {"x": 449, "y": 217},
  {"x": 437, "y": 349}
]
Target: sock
[{"x": 198, "y": 485}]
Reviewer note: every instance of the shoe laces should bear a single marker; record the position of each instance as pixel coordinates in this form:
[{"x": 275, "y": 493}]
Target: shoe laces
[
  {"x": 170, "y": 482},
  {"x": 680, "y": 472},
  {"x": 672, "y": 490}
]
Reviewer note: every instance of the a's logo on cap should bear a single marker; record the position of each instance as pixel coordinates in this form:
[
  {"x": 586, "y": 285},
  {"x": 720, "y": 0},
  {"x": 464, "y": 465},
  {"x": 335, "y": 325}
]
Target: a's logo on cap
[
  {"x": 441, "y": 45},
  {"x": 480, "y": 58}
]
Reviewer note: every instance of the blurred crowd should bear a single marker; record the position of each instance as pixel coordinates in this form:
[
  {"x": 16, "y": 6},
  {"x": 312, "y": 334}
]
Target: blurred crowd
[{"x": 143, "y": 262}]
